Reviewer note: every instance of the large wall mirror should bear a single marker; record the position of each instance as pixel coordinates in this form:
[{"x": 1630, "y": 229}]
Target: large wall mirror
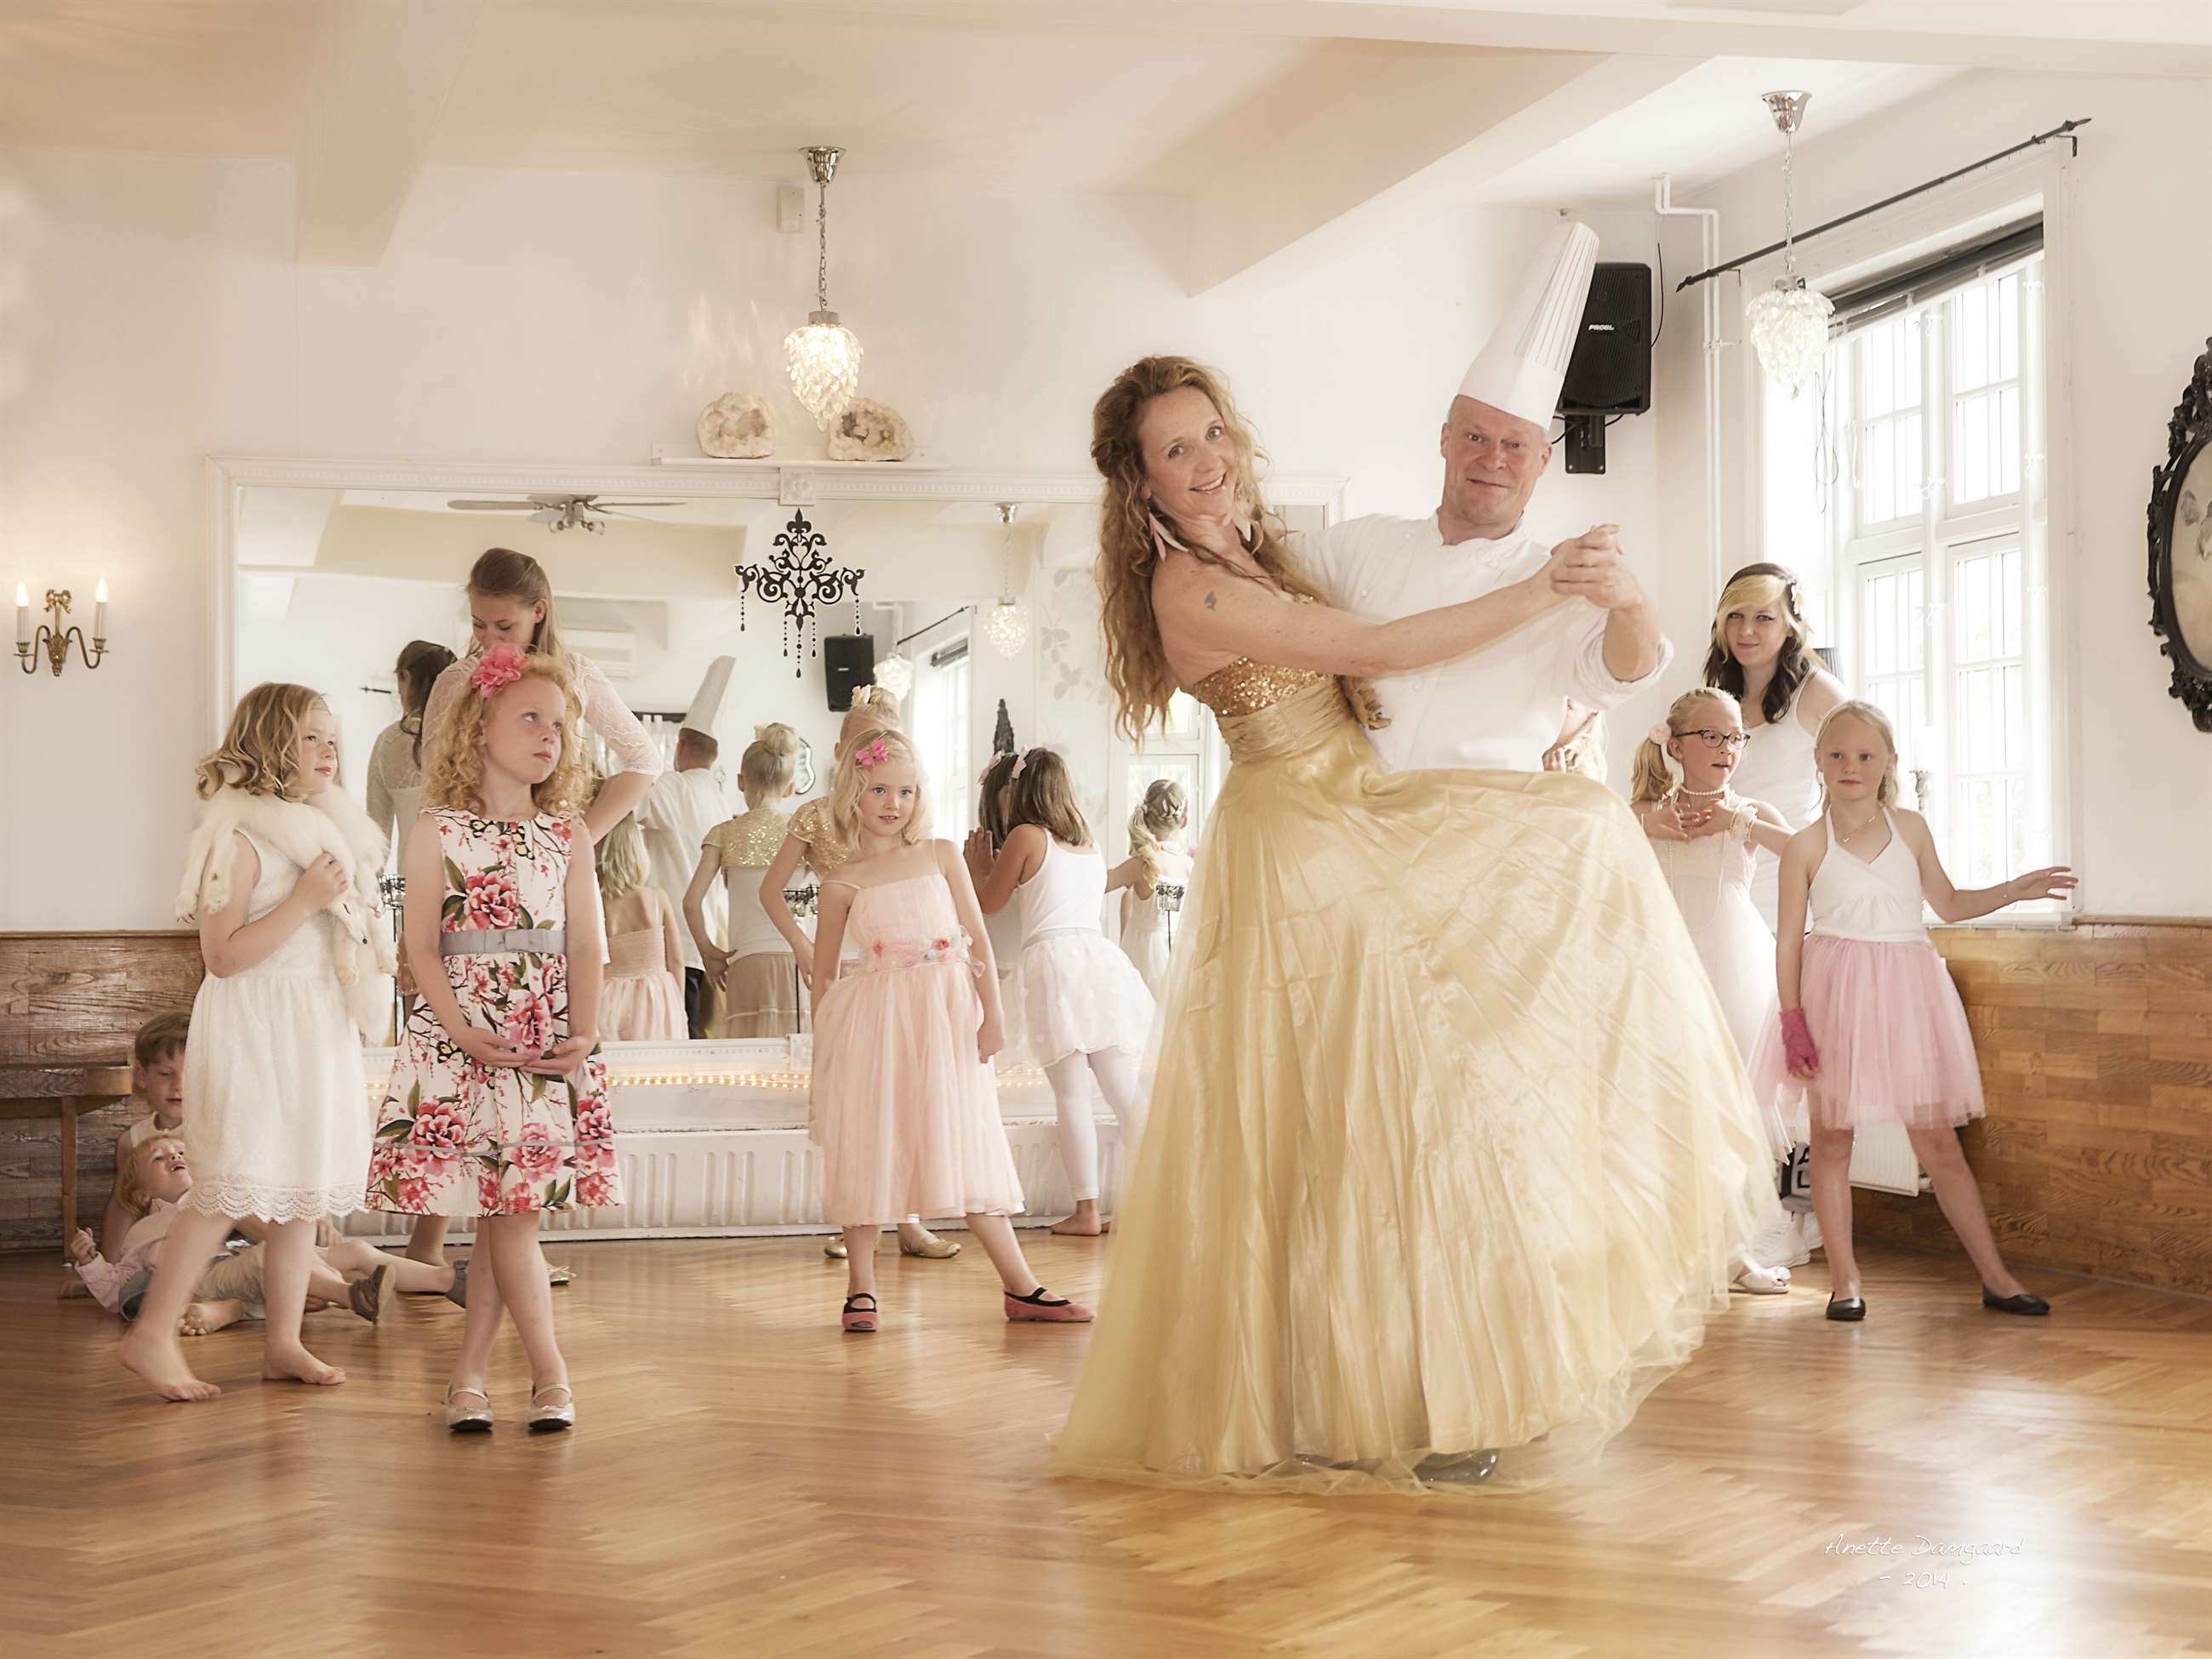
[{"x": 326, "y": 570}]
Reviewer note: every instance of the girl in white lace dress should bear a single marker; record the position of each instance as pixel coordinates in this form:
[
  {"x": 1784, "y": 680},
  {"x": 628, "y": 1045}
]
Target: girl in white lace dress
[{"x": 280, "y": 876}]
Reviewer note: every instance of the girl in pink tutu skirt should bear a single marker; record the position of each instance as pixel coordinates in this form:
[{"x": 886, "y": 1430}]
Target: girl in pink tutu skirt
[
  {"x": 903, "y": 1094},
  {"x": 497, "y": 1107},
  {"x": 1871, "y": 1029}
]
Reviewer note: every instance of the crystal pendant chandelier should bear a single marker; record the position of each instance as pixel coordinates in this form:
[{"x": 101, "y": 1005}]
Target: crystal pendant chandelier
[
  {"x": 823, "y": 357},
  {"x": 894, "y": 673},
  {"x": 1007, "y": 627},
  {"x": 1789, "y": 323}
]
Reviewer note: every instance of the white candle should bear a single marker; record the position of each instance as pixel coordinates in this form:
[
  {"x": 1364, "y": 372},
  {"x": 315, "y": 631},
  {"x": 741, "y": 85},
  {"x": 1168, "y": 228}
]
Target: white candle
[
  {"x": 99, "y": 610},
  {"x": 22, "y": 614}
]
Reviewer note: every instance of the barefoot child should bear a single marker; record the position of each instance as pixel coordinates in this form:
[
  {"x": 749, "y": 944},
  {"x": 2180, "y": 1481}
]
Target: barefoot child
[
  {"x": 908, "y": 1103},
  {"x": 280, "y": 875},
  {"x": 1871, "y": 1028},
  {"x": 497, "y": 1107}
]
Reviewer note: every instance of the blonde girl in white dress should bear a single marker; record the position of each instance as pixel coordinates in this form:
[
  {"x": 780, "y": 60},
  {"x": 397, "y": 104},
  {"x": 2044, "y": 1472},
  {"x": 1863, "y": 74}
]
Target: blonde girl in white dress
[
  {"x": 281, "y": 876},
  {"x": 1156, "y": 832},
  {"x": 1705, "y": 836}
]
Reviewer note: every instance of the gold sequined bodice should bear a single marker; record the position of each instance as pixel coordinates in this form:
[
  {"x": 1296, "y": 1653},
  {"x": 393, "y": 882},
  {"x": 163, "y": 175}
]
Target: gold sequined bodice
[
  {"x": 1267, "y": 711},
  {"x": 1245, "y": 687},
  {"x": 825, "y": 848},
  {"x": 750, "y": 840}
]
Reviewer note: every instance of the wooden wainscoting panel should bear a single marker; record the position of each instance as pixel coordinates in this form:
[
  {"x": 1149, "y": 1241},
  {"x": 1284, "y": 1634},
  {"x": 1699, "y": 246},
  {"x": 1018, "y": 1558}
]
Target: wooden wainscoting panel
[
  {"x": 76, "y": 997},
  {"x": 2096, "y": 1053}
]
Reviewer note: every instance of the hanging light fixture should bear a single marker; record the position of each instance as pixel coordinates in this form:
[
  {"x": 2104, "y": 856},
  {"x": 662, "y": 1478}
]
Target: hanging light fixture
[
  {"x": 1007, "y": 627},
  {"x": 823, "y": 357},
  {"x": 894, "y": 673},
  {"x": 1789, "y": 323}
]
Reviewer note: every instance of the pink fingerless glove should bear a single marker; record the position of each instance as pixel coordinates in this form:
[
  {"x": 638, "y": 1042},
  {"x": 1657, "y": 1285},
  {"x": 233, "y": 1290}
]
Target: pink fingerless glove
[{"x": 1797, "y": 1042}]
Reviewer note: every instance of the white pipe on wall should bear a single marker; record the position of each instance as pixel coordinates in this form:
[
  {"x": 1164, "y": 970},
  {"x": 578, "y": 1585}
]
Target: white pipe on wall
[{"x": 1662, "y": 203}]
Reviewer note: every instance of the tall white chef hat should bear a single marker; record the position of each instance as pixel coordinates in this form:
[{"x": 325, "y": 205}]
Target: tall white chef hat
[
  {"x": 707, "y": 707},
  {"x": 1520, "y": 369}
]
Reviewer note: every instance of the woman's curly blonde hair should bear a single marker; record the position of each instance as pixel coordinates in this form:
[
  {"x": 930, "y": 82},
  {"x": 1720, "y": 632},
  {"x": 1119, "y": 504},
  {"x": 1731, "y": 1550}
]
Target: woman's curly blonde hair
[
  {"x": 453, "y": 758},
  {"x": 260, "y": 752},
  {"x": 1136, "y": 663}
]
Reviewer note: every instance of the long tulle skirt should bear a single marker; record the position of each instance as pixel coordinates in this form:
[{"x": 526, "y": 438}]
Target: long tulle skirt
[
  {"x": 906, "y": 1112},
  {"x": 1450, "y": 1146}
]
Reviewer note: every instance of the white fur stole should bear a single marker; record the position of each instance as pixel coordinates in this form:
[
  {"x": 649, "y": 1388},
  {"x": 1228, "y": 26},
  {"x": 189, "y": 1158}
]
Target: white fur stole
[{"x": 303, "y": 831}]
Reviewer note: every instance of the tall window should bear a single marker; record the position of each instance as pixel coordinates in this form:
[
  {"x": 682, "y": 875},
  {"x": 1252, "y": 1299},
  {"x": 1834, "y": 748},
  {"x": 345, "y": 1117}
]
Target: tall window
[
  {"x": 939, "y": 727},
  {"x": 1932, "y": 516}
]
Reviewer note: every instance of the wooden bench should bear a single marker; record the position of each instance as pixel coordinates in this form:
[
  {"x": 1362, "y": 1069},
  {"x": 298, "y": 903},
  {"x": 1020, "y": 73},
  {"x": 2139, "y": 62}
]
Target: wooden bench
[{"x": 66, "y": 1090}]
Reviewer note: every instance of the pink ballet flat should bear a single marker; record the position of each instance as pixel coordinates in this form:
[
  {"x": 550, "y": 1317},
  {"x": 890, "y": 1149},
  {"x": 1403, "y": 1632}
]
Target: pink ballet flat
[
  {"x": 856, "y": 1317},
  {"x": 1042, "y": 1308}
]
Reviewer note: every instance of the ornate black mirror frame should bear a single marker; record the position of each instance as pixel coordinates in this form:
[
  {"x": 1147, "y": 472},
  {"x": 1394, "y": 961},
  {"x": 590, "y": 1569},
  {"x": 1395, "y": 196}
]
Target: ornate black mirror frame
[{"x": 2181, "y": 530}]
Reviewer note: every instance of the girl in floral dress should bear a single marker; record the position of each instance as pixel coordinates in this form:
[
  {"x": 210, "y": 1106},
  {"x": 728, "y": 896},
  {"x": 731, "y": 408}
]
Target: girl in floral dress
[{"x": 497, "y": 1107}]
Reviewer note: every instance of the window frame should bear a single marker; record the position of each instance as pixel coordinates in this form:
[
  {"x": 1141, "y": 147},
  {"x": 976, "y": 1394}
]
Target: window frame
[{"x": 1941, "y": 537}]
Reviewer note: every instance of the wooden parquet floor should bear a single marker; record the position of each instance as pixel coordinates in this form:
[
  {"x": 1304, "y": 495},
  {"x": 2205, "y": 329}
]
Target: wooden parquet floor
[{"x": 747, "y": 1481}]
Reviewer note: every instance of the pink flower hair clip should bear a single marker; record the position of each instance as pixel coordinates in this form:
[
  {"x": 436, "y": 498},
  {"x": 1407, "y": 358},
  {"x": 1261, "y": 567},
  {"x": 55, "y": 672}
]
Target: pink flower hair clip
[
  {"x": 497, "y": 670},
  {"x": 873, "y": 755},
  {"x": 1659, "y": 732}
]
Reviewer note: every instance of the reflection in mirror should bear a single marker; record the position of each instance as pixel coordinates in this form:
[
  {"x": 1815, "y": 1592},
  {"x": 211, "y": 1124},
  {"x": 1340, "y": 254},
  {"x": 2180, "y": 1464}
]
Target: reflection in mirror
[{"x": 333, "y": 588}]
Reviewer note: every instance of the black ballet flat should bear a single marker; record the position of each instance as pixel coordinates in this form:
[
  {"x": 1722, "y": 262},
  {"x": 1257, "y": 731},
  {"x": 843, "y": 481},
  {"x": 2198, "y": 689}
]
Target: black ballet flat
[
  {"x": 1847, "y": 1307},
  {"x": 2022, "y": 1304}
]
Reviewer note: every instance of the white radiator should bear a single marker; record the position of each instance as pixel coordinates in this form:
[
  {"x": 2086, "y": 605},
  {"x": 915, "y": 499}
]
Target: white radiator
[{"x": 1882, "y": 1158}]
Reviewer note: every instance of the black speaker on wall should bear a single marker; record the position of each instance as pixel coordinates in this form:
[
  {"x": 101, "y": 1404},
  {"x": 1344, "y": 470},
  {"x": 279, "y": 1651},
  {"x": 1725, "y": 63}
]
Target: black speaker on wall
[
  {"x": 848, "y": 662},
  {"x": 1609, "y": 374}
]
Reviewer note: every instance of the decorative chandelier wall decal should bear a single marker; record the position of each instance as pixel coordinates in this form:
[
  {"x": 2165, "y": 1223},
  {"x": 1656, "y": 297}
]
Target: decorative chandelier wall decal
[
  {"x": 1789, "y": 323},
  {"x": 804, "y": 580},
  {"x": 824, "y": 357}
]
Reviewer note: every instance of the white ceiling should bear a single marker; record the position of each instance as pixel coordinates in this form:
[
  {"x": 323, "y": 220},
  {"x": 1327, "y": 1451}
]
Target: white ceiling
[
  {"x": 1269, "y": 104},
  {"x": 1704, "y": 126}
]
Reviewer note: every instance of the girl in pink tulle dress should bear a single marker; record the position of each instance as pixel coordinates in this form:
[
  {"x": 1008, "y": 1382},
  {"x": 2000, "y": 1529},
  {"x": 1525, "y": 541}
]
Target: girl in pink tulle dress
[
  {"x": 1871, "y": 1028},
  {"x": 905, "y": 1101}
]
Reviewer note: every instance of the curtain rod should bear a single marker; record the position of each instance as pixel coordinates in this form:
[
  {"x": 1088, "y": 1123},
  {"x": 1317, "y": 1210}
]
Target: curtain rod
[
  {"x": 2065, "y": 130},
  {"x": 940, "y": 622}
]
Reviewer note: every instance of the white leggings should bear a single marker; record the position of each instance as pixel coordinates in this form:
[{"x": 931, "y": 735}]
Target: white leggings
[{"x": 1116, "y": 1072}]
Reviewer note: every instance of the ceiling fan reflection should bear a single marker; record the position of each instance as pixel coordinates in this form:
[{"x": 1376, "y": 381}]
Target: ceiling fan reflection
[{"x": 559, "y": 513}]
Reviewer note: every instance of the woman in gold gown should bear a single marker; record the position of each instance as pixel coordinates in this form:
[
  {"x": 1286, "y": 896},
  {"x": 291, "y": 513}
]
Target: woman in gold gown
[{"x": 1450, "y": 1147}]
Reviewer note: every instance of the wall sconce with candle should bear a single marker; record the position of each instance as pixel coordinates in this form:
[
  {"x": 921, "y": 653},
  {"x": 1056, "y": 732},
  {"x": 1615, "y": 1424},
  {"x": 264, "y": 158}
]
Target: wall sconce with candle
[{"x": 51, "y": 636}]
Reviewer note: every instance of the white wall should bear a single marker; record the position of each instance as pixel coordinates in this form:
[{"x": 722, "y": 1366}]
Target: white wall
[
  {"x": 155, "y": 318},
  {"x": 2132, "y": 255}
]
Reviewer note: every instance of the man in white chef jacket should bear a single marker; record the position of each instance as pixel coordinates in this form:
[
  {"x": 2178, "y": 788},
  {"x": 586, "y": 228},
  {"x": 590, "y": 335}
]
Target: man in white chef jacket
[
  {"x": 685, "y": 802},
  {"x": 1502, "y": 705}
]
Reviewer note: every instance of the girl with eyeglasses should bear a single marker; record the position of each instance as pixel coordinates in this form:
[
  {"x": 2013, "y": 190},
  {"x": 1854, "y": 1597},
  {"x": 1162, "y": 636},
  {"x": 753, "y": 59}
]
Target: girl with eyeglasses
[{"x": 1707, "y": 837}]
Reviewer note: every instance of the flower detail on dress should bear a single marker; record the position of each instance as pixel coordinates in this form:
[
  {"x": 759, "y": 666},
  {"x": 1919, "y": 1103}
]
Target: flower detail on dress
[
  {"x": 498, "y": 669},
  {"x": 491, "y": 904},
  {"x": 440, "y": 1129}
]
